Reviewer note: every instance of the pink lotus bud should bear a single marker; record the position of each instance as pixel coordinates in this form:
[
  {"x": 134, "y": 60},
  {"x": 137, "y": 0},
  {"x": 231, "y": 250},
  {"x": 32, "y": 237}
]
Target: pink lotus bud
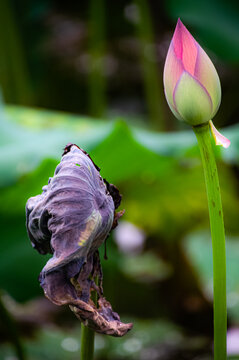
[{"x": 191, "y": 83}]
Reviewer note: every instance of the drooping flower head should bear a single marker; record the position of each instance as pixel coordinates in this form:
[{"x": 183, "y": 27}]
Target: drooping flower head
[
  {"x": 71, "y": 219},
  {"x": 191, "y": 83}
]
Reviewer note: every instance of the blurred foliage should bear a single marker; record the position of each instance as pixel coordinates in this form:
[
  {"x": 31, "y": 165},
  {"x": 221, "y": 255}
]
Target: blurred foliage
[
  {"x": 144, "y": 341},
  {"x": 156, "y": 177},
  {"x": 199, "y": 248},
  {"x": 145, "y": 267}
]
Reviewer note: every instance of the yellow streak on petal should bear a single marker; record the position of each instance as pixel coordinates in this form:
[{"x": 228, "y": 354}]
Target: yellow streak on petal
[
  {"x": 219, "y": 138},
  {"x": 89, "y": 170},
  {"x": 90, "y": 228}
]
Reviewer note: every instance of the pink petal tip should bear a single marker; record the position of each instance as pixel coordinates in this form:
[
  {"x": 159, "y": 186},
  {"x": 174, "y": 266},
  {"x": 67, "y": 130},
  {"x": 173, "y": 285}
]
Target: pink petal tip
[
  {"x": 185, "y": 47},
  {"x": 219, "y": 138}
]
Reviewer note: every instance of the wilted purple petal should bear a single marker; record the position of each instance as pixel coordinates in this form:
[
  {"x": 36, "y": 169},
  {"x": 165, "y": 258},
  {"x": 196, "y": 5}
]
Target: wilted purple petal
[{"x": 71, "y": 218}]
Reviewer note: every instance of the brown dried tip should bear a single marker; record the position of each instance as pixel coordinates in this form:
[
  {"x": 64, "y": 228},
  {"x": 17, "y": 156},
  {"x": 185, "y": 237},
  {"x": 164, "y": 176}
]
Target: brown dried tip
[{"x": 70, "y": 219}]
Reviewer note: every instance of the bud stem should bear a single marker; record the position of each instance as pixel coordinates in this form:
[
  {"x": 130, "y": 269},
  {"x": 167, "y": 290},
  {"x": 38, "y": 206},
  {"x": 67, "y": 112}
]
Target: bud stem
[
  {"x": 88, "y": 336},
  {"x": 218, "y": 241}
]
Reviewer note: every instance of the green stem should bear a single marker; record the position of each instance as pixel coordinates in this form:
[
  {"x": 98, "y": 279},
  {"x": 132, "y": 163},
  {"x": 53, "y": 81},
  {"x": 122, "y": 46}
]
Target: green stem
[
  {"x": 152, "y": 85},
  {"x": 87, "y": 343},
  {"x": 88, "y": 336},
  {"x": 97, "y": 51},
  {"x": 218, "y": 241},
  {"x": 14, "y": 73}
]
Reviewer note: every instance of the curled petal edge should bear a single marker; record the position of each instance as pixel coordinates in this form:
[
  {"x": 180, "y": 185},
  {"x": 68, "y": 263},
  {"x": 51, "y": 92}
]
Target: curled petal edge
[{"x": 218, "y": 137}]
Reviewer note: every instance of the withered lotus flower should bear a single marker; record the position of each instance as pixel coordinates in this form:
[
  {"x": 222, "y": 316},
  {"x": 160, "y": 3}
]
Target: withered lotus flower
[{"x": 70, "y": 219}]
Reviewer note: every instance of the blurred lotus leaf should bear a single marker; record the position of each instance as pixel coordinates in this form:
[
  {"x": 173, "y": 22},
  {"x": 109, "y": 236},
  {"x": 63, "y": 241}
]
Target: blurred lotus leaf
[
  {"x": 71, "y": 219},
  {"x": 146, "y": 267}
]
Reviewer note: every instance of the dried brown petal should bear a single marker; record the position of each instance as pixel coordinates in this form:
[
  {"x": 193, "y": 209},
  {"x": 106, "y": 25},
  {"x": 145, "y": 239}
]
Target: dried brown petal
[{"x": 71, "y": 219}]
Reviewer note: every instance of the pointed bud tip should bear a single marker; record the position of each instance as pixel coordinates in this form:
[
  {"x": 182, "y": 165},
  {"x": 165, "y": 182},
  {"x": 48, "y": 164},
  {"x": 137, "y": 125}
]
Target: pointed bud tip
[
  {"x": 179, "y": 22},
  {"x": 180, "y": 26}
]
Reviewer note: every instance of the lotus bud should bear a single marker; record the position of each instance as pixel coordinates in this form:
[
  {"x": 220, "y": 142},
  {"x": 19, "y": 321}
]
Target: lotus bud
[{"x": 191, "y": 83}]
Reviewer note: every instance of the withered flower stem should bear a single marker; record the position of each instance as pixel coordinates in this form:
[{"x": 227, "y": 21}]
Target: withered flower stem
[{"x": 88, "y": 335}]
